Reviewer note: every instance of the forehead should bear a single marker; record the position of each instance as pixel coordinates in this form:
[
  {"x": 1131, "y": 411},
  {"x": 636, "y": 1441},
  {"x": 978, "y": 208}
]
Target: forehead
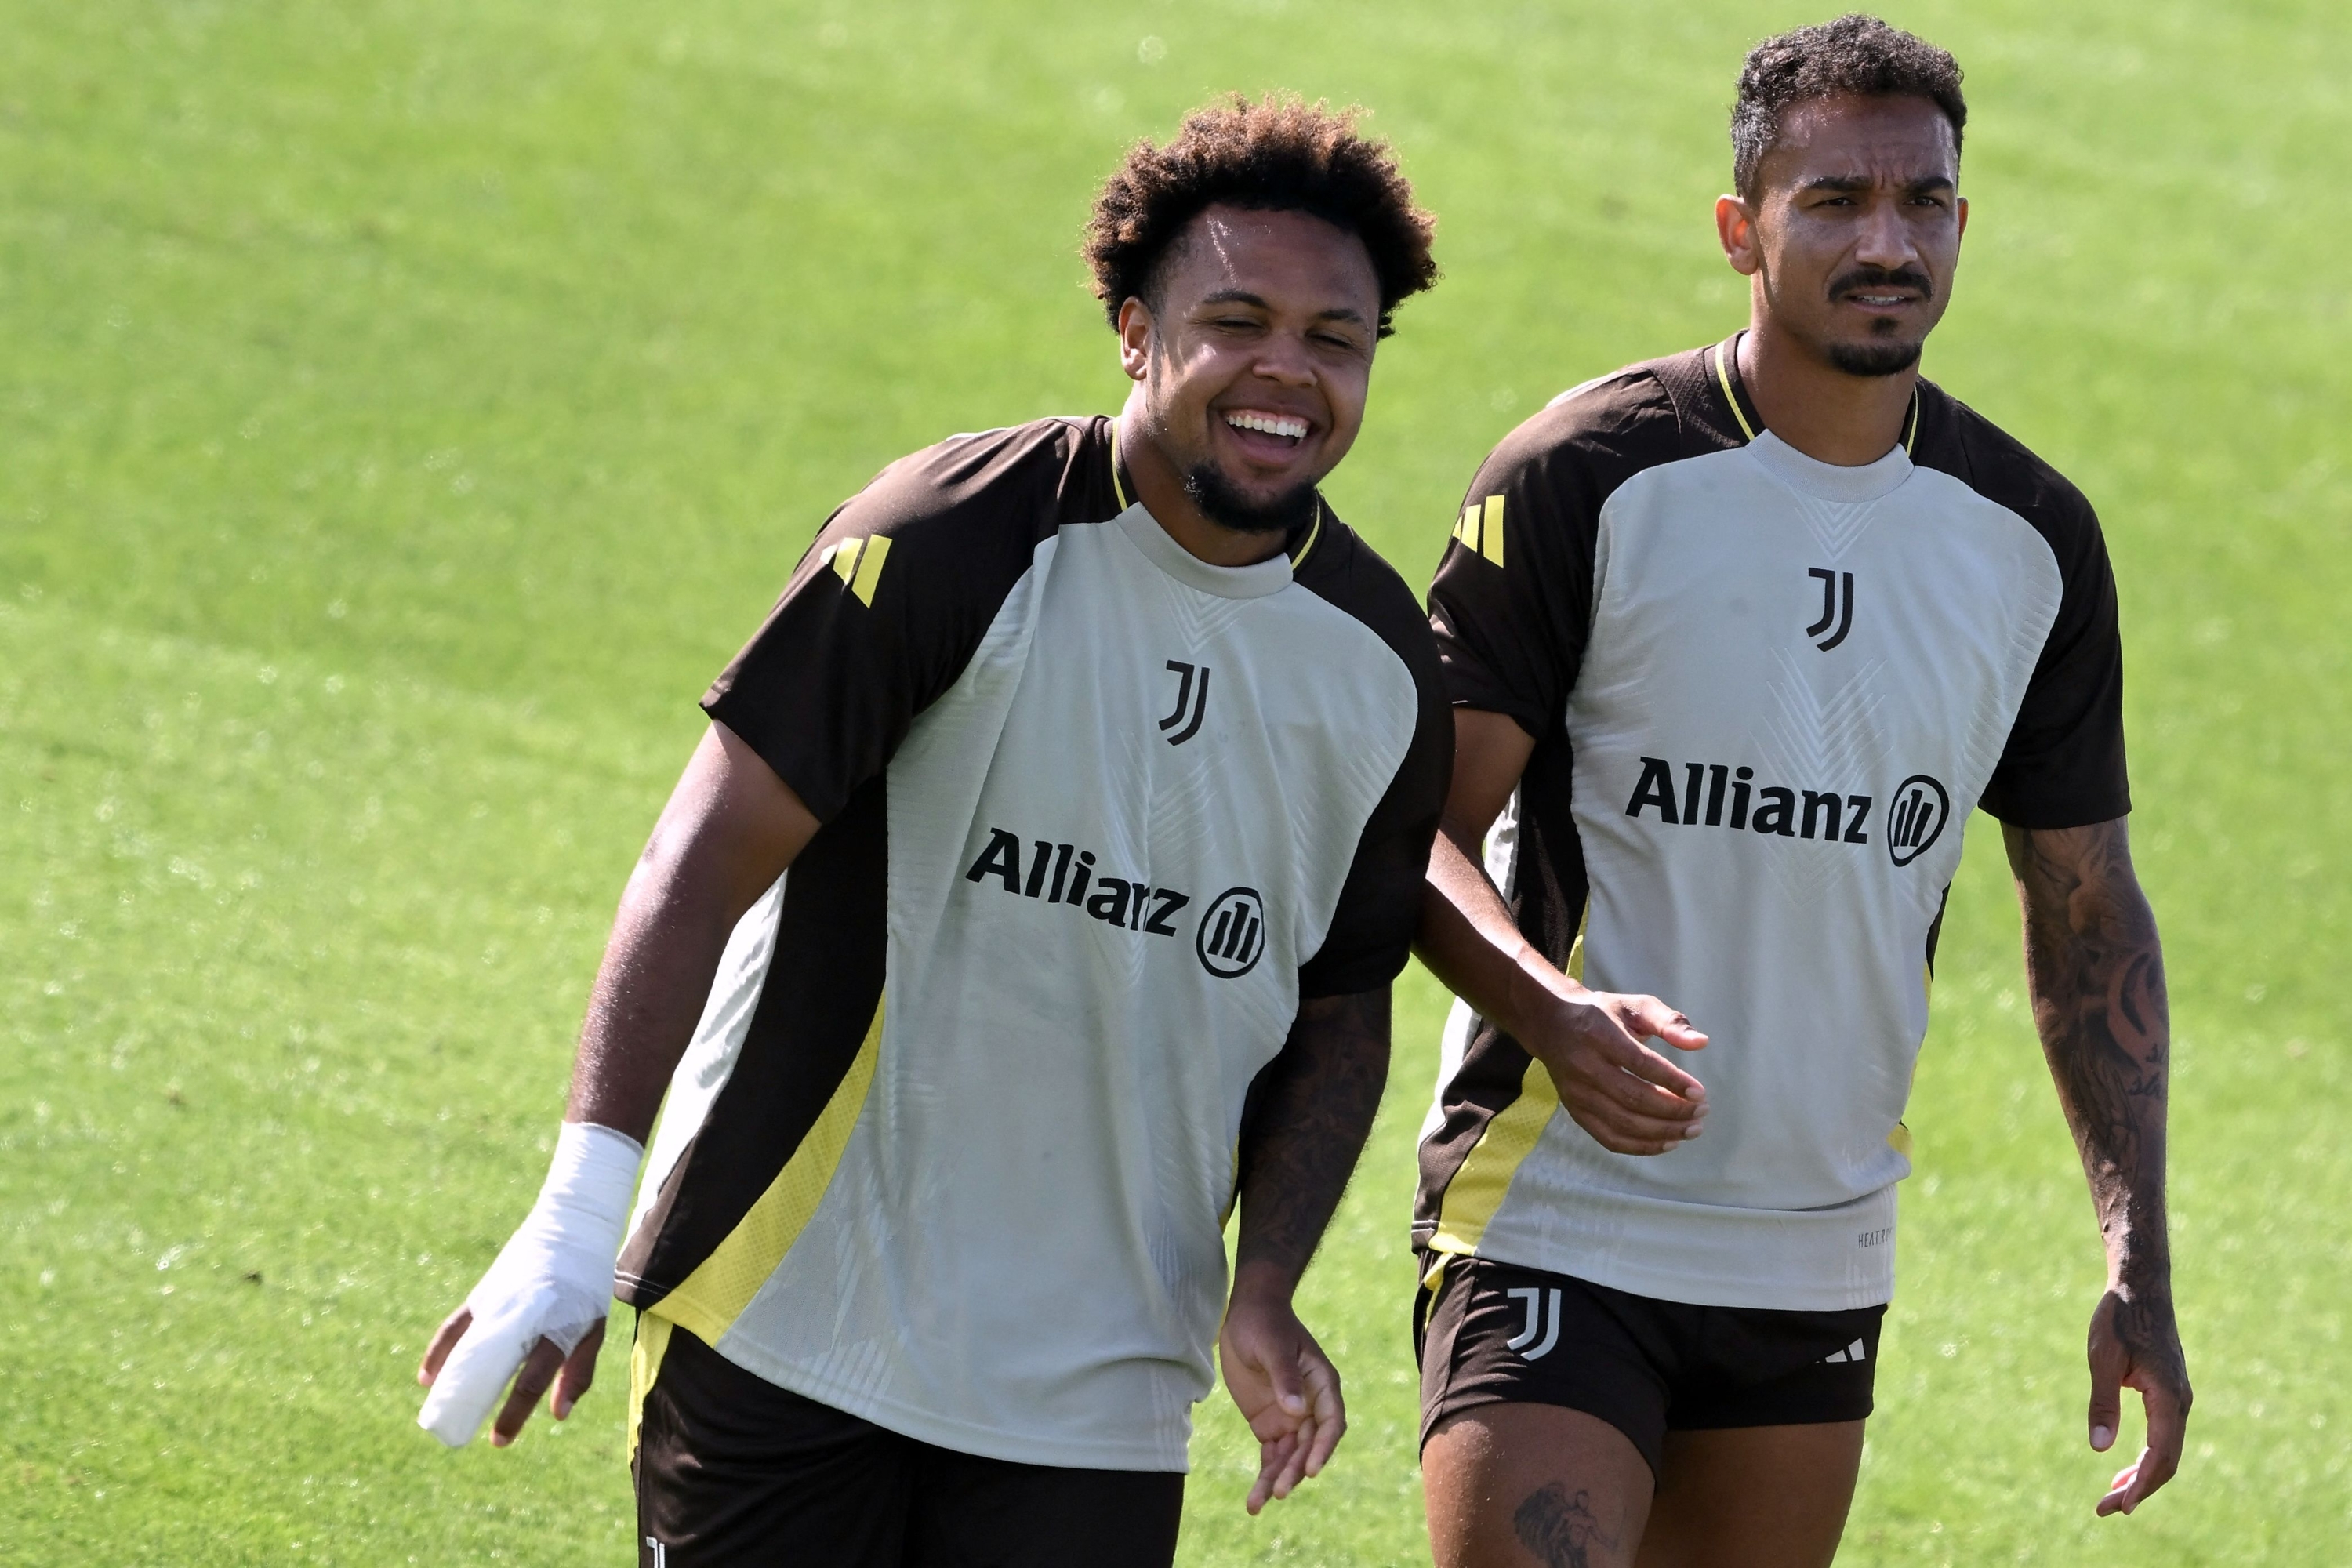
[
  {"x": 1287, "y": 258},
  {"x": 1896, "y": 141}
]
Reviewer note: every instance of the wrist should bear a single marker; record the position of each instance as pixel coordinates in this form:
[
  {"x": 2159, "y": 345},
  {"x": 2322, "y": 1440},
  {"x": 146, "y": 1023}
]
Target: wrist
[
  {"x": 2142, "y": 1276},
  {"x": 1267, "y": 1282},
  {"x": 1536, "y": 990},
  {"x": 592, "y": 1175}
]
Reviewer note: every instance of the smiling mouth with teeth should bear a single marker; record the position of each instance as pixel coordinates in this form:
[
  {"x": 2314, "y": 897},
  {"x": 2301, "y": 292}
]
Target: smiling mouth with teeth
[{"x": 1281, "y": 424}]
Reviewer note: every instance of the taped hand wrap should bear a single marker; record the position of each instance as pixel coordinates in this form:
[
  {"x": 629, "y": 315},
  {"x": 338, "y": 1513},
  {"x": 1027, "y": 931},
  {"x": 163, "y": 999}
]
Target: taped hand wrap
[{"x": 553, "y": 1279}]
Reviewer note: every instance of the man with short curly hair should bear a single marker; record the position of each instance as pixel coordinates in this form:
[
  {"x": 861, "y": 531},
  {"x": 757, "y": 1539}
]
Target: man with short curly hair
[
  {"x": 1738, "y": 639},
  {"x": 1038, "y": 889}
]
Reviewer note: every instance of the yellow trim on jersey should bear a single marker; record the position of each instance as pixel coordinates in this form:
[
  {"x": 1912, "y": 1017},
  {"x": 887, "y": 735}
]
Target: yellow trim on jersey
[
  {"x": 715, "y": 1293},
  {"x": 1314, "y": 533},
  {"x": 645, "y": 1365},
  {"x": 1723, "y": 378},
  {"x": 1477, "y": 1189},
  {"x": 858, "y": 562},
  {"x": 1911, "y": 429},
  {"x": 1117, "y": 488},
  {"x": 1480, "y": 528}
]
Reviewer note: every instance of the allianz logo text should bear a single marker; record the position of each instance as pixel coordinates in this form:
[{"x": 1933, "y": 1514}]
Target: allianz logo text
[
  {"x": 1717, "y": 794},
  {"x": 1060, "y": 874},
  {"x": 1232, "y": 934}
]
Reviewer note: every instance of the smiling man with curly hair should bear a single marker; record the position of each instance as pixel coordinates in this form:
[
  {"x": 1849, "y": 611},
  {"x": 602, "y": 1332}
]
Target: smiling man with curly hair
[{"x": 1032, "y": 899}]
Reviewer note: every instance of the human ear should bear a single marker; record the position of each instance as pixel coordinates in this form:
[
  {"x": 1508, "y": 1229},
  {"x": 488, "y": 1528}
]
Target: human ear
[
  {"x": 1135, "y": 326},
  {"x": 1735, "y": 225}
]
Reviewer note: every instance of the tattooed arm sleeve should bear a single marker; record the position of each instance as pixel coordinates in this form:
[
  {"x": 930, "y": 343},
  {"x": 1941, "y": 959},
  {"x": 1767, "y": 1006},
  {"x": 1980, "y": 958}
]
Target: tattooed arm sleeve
[
  {"x": 2097, "y": 977},
  {"x": 2096, "y": 973},
  {"x": 1305, "y": 1121}
]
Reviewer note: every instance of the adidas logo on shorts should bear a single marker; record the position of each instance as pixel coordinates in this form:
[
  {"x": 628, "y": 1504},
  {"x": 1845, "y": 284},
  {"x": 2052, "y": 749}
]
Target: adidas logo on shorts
[{"x": 1851, "y": 1354}]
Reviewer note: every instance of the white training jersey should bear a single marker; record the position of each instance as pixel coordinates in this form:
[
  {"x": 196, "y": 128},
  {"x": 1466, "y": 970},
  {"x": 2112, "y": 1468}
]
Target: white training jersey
[
  {"x": 1766, "y": 693},
  {"x": 953, "y": 1144}
]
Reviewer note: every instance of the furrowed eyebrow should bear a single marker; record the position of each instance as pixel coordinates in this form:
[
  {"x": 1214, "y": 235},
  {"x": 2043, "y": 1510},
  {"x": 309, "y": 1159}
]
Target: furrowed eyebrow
[{"x": 1854, "y": 184}]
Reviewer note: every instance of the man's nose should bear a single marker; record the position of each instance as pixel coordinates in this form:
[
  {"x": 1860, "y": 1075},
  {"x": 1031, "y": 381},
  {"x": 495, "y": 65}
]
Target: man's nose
[
  {"x": 1284, "y": 360},
  {"x": 1886, "y": 240}
]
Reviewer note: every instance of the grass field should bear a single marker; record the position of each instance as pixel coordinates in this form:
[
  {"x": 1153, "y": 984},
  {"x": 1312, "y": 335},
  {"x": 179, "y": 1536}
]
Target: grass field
[{"x": 407, "y": 404}]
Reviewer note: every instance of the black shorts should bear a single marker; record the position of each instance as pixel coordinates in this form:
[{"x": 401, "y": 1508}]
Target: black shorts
[
  {"x": 1493, "y": 1333},
  {"x": 732, "y": 1469}
]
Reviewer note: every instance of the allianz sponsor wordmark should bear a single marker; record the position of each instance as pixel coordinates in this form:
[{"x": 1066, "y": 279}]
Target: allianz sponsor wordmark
[
  {"x": 1064, "y": 874},
  {"x": 1716, "y": 794}
]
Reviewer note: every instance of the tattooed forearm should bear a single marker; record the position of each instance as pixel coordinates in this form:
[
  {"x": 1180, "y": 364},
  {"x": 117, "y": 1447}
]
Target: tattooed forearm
[
  {"x": 1306, "y": 1119},
  {"x": 2097, "y": 972},
  {"x": 1559, "y": 1531}
]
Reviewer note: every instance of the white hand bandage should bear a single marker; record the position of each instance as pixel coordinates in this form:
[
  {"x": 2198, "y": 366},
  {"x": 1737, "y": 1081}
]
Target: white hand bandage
[{"x": 553, "y": 1279}]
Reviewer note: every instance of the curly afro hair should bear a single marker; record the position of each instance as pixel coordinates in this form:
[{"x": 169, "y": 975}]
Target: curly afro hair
[
  {"x": 1856, "y": 55},
  {"x": 1279, "y": 155}
]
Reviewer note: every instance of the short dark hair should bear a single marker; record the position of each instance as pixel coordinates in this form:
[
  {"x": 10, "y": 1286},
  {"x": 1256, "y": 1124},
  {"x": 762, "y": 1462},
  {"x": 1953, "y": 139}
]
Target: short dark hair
[
  {"x": 1278, "y": 154},
  {"x": 1856, "y": 55}
]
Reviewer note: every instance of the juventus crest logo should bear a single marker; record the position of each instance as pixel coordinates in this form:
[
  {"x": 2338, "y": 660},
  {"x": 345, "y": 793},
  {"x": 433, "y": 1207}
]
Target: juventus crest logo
[
  {"x": 1837, "y": 605},
  {"x": 1519, "y": 1341},
  {"x": 1192, "y": 702}
]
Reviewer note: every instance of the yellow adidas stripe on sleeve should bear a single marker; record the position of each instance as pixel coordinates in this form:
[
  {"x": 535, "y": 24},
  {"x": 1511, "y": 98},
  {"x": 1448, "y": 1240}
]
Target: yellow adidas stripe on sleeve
[
  {"x": 858, "y": 562},
  {"x": 1480, "y": 529}
]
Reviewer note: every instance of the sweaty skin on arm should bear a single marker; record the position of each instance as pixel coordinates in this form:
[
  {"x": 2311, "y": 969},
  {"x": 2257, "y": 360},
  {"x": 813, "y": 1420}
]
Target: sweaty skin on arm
[
  {"x": 2096, "y": 973},
  {"x": 730, "y": 830},
  {"x": 1309, "y": 1116},
  {"x": 1630, "y": 1097}
]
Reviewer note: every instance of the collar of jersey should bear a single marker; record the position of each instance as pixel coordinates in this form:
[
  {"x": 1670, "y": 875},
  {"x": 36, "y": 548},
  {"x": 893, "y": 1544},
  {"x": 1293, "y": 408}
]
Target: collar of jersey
[
  {"x": 1142, "y": 530},
  {"x": 1829, "y": 481}
]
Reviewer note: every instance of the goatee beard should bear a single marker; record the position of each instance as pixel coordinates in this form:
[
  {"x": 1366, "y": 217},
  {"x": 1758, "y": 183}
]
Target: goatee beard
[
  {"x": 1874, "y": 359},
  {"x": 1222, "y": 503}
]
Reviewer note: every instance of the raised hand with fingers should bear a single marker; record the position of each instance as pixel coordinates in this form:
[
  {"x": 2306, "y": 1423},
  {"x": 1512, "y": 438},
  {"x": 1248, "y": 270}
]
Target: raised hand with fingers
[{"x": 1632, "y": 1099}]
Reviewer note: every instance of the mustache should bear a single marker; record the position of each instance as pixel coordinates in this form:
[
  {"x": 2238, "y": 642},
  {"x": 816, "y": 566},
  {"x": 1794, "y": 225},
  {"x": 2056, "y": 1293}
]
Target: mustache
[{"x": 1867, "y": 280}]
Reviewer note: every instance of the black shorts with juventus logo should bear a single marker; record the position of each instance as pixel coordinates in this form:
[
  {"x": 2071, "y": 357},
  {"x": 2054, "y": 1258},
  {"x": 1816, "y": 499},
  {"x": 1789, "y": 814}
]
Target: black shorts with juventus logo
[{"x": 1492, "y": 1334}]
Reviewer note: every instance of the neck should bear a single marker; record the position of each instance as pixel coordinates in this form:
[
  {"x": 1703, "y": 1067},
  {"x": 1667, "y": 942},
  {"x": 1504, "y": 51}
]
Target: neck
[
  {"x": 1822, "y": 412},
  {"x": 1159, "y": 486}
]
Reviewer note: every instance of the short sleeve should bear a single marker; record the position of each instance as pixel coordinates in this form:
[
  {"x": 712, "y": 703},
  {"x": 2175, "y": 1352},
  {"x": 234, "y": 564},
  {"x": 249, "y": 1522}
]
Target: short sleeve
[
  {"x": 1512, "y": 602},
  {"x": 882, "y": 615},
  {"x": 2064, "y": 763},
  {"x": 1371, "y": 931}
]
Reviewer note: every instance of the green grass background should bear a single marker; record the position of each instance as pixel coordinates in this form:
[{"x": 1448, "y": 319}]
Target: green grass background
[{"x": 406, "y": 404}]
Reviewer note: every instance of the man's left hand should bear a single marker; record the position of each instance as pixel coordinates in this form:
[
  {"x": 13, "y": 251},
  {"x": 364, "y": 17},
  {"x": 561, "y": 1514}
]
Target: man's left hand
[
  {"x": 2134, "y": 1343},
  {"x": 1286, "y": 1389}
]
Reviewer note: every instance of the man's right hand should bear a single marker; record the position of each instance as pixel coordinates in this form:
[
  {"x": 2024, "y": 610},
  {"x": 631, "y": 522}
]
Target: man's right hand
[
  {"x": 572, "y": 1375},
  {"x": 1632, "y": 1100},
  {"x": 541, "y": 1305},
  {"x": 1630, "y": 1097}
]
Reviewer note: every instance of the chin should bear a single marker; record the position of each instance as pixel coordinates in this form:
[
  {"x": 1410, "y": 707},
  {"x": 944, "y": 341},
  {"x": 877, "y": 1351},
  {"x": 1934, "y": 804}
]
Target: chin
[
  {"x": 1874, "y": 359},
  {"x": 1226, "y": 502}
]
